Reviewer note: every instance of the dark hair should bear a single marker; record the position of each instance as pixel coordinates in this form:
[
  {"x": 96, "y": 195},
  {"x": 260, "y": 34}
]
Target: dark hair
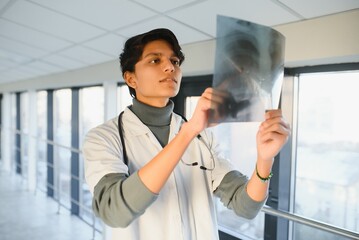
[{"x": 134, "y": 46}]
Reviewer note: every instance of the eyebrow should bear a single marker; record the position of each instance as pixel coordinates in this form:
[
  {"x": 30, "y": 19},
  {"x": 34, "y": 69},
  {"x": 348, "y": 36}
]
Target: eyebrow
[
  {"x": 152, "y": 54},
  {"x": 157, "y": 55}
]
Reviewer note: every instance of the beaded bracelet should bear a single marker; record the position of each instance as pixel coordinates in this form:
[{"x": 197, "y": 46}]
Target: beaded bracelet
[{"x": 262, "y": 178}]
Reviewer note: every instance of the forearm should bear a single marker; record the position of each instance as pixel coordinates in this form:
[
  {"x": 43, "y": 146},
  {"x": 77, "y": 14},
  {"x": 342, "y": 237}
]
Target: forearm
[
  {"x": 156, "y": 172},
  {"x": 256, "y": 188},
  {"x": 271, "y": 136}
]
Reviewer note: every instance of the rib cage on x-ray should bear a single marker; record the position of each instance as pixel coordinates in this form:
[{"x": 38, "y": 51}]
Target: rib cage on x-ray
[{"x": 249, "y": 68}]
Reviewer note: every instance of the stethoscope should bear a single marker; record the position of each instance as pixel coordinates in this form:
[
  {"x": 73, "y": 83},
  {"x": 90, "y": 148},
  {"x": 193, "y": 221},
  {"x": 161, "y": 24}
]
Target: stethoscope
[{"x": 199, "y": 137}]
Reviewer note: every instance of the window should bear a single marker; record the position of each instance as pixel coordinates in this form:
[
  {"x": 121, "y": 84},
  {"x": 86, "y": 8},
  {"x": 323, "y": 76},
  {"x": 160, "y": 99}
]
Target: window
[
  {"x": 14, "y": 136},
  {"x": 91, "y": 115},
  {"x": 327, "y": 158},
  {"x": 123, "y": 97},
  {"x": 1, "y": 129},
  {"x": 24, "y": 132},
  {"x": 41, "y": 142},
  {"x": 62, "y": 138}
]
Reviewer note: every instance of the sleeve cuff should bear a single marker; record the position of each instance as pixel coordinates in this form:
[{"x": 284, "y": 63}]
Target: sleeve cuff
[
  {"x": 137, "y": 195},
  {"x": 250, "y": 208}
]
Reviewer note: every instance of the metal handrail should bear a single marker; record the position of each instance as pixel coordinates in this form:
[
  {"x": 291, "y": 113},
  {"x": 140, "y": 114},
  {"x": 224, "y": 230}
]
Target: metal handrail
[
  {"x": 310, "y": 222},
  {"x": 56, "y": 144}
]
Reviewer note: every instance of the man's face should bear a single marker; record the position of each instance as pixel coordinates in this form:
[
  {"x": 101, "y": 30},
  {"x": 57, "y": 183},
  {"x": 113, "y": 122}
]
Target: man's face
[{"x": 157, "y": 75}]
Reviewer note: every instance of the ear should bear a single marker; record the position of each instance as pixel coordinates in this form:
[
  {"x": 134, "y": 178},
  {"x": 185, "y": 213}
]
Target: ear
[{"x": 130, "y": 79}]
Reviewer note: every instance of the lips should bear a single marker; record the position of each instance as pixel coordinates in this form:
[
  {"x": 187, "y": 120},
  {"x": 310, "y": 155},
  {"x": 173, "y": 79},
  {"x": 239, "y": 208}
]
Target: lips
[{"x": 169, "y": 80}]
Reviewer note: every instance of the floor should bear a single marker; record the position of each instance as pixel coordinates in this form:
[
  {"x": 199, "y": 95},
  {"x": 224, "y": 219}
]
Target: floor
[{"x": 34, "y": 216}]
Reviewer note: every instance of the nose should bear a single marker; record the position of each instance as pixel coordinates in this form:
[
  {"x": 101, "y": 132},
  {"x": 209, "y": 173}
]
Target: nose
[{"x": 168, "y": 66}]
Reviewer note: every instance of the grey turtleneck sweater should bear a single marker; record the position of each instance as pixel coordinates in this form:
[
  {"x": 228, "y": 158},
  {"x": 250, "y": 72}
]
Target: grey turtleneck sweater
[
  {"x": 156, "y": 119},
  {"x": 116, "y": 204}
]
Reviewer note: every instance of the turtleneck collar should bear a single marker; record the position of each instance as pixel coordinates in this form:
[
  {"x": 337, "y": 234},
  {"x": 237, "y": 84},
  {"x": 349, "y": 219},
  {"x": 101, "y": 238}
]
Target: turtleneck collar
[{"x": 153, "y": 116}]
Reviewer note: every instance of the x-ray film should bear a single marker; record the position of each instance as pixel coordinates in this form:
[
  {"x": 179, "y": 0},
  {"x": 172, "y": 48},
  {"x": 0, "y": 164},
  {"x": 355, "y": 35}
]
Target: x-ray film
[{"x": 248, "y": 72}]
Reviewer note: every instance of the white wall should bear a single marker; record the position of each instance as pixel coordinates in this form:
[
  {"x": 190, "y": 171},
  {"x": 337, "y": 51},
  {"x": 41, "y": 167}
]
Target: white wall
[
  {"x": 333, "y": 39},
  {"x": 325, "y": 40}
]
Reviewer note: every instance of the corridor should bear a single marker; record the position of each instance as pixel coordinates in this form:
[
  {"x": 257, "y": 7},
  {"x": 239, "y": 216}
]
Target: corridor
[{"x": 34, "y": 216}]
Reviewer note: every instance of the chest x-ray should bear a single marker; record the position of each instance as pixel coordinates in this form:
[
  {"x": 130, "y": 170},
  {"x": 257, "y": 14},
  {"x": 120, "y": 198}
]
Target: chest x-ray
[{"x": 248, "y": 71}]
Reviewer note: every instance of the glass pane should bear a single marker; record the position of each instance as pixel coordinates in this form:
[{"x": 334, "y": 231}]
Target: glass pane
[
  {"x": 24, "y": 123},
  {"x": 302, "y": 230},
  {"x": 62, "y": 137},
  {"x": 13, "y": 129},
  {"x": 91, "y": 108},
  {"x": 238, "y": 144},
  {"x": 41, "y": 143},
  {"x": 327, "y": 171},
  {"x": 1, "y": 129},
  {"x": 123, "y": 97},
  {"x": 92, "y": 114}
]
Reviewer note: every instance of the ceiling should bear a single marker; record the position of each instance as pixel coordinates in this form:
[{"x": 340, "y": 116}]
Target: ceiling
[{"x": 42, "y": 37}]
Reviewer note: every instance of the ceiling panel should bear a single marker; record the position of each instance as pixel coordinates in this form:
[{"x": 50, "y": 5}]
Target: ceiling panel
[
  {"x": 36, "y": 17},
  {"x": 311, "y": 9},
  {"x": 33, "y": 38},
  {"x": 32, "y": 71},
  {"x": 12, "y": 57},
  {"x": 63, "y": 62},
  {"x": 4, "y": 78},
  {"x": 44, "y": 67},
  {"x": 110, "y": 44},
  {"x": 258, "y": 11},
  {"x": 85, "y": 55},
  {"x": 3, "y": 3},
  {"x": 21, "y": 48},
  {"x": 16, "y": 74},
  {"x": 166, "y": 5},
  {"x": 184, "y": 33},
  {"x": 5, "y": 64},
  {"x": 109, "y": 15}
]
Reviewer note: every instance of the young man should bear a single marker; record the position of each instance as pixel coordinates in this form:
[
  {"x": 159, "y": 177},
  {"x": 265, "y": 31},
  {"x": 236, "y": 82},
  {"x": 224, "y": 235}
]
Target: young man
[{"x": 159, "y": 180}]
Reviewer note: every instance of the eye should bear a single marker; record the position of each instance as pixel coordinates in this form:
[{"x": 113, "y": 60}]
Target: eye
[
  {"x": 175, "y": 61},
  {"x": 155, "y": 60}
]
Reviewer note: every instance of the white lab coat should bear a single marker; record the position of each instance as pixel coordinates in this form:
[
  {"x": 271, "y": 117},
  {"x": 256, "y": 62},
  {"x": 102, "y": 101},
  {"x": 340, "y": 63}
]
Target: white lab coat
[{"x": 184, "y": 209}]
